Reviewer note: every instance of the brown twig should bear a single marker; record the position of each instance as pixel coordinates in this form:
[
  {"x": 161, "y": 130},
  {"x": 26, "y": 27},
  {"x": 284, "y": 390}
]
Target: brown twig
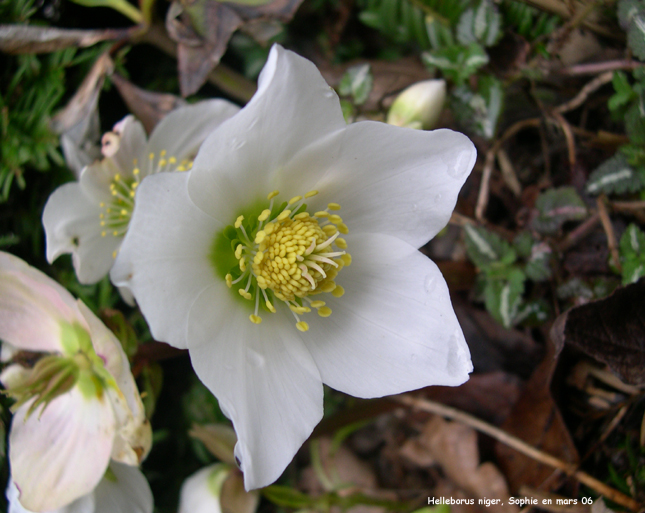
[
  {"x": 520, "y": 446},
  {"x": 584, "y": 93},
  {"x": 482, "y": 198},
  {"x": 609, "y": 231},
  {"x": 579, "y": 233},
  {"x": 628, "y": 205},
  {"x": 594, "y": 68}
]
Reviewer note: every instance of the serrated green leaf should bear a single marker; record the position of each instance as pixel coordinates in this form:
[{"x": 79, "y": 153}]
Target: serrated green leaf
[
  {"x": 480, "y": 24},
  {"x": 479, "y": 111},
  {"x": 486, "y": 249},
  {"x": 615, "y": 176},
  {"x": 503, "y": 298},
  {"x": 632, "y": 254},
  {"x": 557, "y": 206},
  {"x": 457, "y": 62},
  {"x": 533, "y": 313},
  {"x": 538, "y": 266},
  {"x": 635, "y": 121},
  {"x": 624, "y": 93},
  {"x": 357, "y": 82},
  {"x": 523, "y": 243}
]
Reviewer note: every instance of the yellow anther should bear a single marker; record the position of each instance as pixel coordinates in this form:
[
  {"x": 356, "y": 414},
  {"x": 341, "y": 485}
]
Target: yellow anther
[
  {"x": 264, "y": 215},
  {"x": 136, "y": 171},
  {"x": 338, "y": 291},
  {"x": 108, "y": 210},
  {"x": 114, "y": 253},
  {"x": 103, "y": 234},
  {"x": 135, "y": 185},
  {"x": 115, "y": 233},
  {"x": 135, "y": 162},
  {"x": 295, "y": 199},
  {"x": 311, "y": 194},
  {"x": 101, "y": 216},
  {"x": 163, "y": 162},
  {"x": 342, "y": 228},
  {"x": 347, "y": 259},
  {"x": 242, "y": 264},
  {"x": 190, "y": 165},
  {"x": 260, "y": 236},
  {"x": 301, "y": 215},
  {"x": 257, "y": 259},
  {"x": 102, "y": 204},
  {"x": 245, "y": 294},
  {"x": 172, "y": 160},
  {"x": 238, "y": 251},
  {"x": 181, "y": 168},
  {"x": 328, "y": 286},
  {"x": 268, "y": 229},
  {"x": 270, "y": 307},
  {"x": 336, "y": 219},
  {"x": 317, "y": 304},
  {"x": 113, "y": 192},
  {"x": 132, "y": 193},
  {"x": 283, "y": 215},
  {"x": 302, "y": 326},
  {"x": 330, "y": 229},
  {"x": 162, "y": 153},
  {"x": 151, "y": 156},
  {"x": 325, "y": 311},
  {"x": 321, "y": 213},
  {"x": 238, "y": 222},
  {"x": 117, "y": 177},
  {"x": 299, "y": 309},
  {"x": 229, "y": 280},
  {"x": 124, "y": 212},
  {"x": 272, "y": 195},
  {"x": 255, "y": 319},
  {"x": 341, "y": 243},
  {"x": 333, "y": 206}
]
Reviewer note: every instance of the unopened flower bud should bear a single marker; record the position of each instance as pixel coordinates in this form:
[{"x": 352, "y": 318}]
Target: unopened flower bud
[{"x": 419, "y": 106}]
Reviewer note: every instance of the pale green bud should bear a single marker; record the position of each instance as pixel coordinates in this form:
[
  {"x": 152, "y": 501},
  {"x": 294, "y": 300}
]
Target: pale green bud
[{"x": 419, "y": 106}]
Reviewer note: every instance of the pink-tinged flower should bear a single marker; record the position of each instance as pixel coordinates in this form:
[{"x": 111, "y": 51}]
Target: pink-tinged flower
[
  {"x": 123, "y": 489},
  {"x": 89, "y": 218},
  {"x": 260, "y": 286},
  {"x": 78, "y": 407}
]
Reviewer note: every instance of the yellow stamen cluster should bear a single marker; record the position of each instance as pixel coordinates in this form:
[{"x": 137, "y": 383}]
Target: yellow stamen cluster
[
  {"x": 289, "y": 257},
  {"x": 116, "y": 213}
]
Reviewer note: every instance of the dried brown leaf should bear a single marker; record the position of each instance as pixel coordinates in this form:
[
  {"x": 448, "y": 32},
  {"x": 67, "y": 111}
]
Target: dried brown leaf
[
  {"x": 234, "y": 498},
  {"x": 612, "y": 330},
  {"x": 16, "y": 39},
  {"x": 149, "y": 107}
]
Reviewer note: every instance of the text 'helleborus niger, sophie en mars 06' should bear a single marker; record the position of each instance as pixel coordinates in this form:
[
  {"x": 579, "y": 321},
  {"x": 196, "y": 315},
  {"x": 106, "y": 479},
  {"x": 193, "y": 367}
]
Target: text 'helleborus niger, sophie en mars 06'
[{"x": 245, "y": 260}]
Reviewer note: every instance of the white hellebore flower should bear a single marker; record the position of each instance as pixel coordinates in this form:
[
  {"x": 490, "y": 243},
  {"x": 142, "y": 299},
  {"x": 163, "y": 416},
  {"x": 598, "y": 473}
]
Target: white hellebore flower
[
  {"x": 89, "y": 218},
  {"x": 419, "y": 106},
  {"x": 223, "y": 264},
  {"x": 78, "y": 407},
  {"x": 123, "y": 489}
]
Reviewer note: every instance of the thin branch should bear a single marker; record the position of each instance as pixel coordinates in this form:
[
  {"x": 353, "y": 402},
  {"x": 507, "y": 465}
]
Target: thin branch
[
  {"x": 575, "y": 236},
  {"x": 593, "y": 68},
  {"x": 520, "y": 446},
  {"x": 609, "y": 231},
  {"x": 584, "y": 93}
]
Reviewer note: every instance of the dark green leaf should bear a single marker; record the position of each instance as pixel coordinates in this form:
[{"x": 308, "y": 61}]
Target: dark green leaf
[
  {"x": 557, "y": 206},
  {"x": 632, "y": 254},
  {"x": 486, "y": 249},
  {"x": 615, "y": 176},
  {"x": 503, "y": 298}
]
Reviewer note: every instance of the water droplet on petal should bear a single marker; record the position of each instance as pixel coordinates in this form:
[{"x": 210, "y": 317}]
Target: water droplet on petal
[
  {"x": 415, "y": 207},
  {"x": 254, "y": 358},
  {"x": 438, "y": 198},
  {"x": 329, "y": 94},
  {"x": 430, "y": 283},
  {"x": 458, "y": 168}
]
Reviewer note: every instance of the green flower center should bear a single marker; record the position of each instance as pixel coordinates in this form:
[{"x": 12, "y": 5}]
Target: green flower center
[{"x": 286, "y": 254}]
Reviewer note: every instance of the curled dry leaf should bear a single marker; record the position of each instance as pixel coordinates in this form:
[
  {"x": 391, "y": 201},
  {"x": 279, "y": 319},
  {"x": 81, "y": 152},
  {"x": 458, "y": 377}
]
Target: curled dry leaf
[
  {"x": 611, "y": 330},
  {"x": 203, "y": 28},
  {"x": 31, "y": 39},
  {"x": 219, "y": 439},
  {"x": 454, "y": 447},
  {"x": 536, "y": 419},
  {"x": 147, "y": 106},
  {"x": 78, "y": 122}
]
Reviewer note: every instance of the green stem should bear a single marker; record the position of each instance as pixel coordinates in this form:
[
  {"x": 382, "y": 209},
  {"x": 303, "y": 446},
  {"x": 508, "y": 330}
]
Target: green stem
[{"x": 122, "y": 6}]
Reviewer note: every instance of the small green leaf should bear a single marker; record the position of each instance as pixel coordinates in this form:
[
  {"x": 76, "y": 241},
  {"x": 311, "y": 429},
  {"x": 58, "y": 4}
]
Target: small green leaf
[
  {"x": 632, "y": 254},
  {"x": 503, "y": 298},
  {"x": 557, "y": 206},
  {"x": 523, "y": 244},
  {"x": 288, "y": 497},
  {"x": 486, "y": 249},
  {"x": 480, "y": 24},
  {"x": 631, "y": 14},
  {"x": 624, "y": 93},
  {"x": 538, "y": 267},
  {"x": 615, "y": 176},
  {"x": 479, "y": 110},
  {"x": 457, "y": 62},
  {"x": 357, "y": 82}
]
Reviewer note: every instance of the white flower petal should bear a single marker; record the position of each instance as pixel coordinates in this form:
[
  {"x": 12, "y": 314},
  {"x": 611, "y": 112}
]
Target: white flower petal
[
  {"x": 129, "y": 494},
  {"x": 60, "y": 454},
  {"x": 264, "y": 378},
  {"x": 72, "y": 225},
  {"x": 292, "y": 108},
  {"x": 32, "y": 307},
  {"x": 196, "y": 495},
  {"x": 132, "y": 144},
  {"x": 84, "y": 504},
  {"x": 394, "y": 329},
  {"x": 178, "y": 251},
  {"x": 183, "y": 130},
  {"x": 387, "y": 179}
]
